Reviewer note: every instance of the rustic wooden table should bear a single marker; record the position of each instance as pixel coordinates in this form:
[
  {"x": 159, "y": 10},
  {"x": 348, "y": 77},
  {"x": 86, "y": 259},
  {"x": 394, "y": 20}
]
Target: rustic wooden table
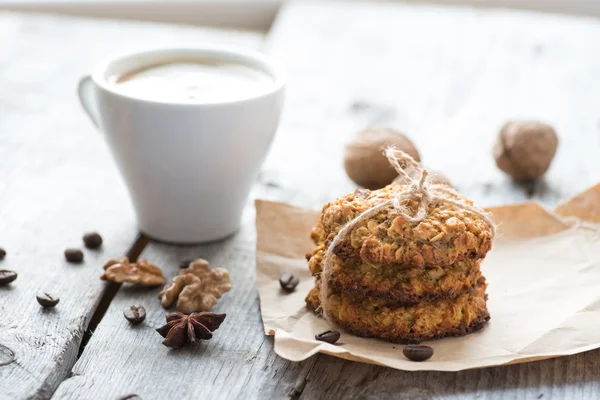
[{"x": 447, "y": 77}]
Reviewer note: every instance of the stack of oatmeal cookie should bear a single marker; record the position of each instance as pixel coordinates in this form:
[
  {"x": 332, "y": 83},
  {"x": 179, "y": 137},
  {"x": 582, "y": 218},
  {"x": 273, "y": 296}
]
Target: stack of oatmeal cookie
[{"x": 398, "y": 280}]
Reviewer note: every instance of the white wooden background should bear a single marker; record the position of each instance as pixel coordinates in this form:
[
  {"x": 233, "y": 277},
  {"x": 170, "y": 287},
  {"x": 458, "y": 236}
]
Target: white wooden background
[
  {"x": 447, "y": 77},
  {"x": 253, "y": 14}
]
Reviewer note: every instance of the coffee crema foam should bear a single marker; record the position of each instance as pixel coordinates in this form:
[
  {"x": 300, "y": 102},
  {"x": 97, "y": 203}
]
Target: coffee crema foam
[{"x": 193, "y": 81}]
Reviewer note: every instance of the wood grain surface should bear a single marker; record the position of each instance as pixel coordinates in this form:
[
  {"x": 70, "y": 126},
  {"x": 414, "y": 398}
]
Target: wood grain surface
[
  {"x": 238, "y": 362},
  {"x": 448, "y": 77},
  {"x": 58, "y": 182}
]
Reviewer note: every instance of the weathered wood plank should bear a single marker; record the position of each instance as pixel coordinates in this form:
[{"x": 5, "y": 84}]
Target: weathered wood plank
[
  {"x": 237, "y": 363},
  {"x": 574, "y": 377},
  {"x": 57, "y": 182},
  {"x": 449, "y": 79}
]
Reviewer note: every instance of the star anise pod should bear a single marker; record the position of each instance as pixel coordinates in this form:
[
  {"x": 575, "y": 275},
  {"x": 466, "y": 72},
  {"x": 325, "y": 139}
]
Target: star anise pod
[{"x": 181, "y": 328}]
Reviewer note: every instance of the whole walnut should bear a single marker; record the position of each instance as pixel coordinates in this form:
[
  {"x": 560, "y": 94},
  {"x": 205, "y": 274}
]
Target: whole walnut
[
  {"x": 365, "y": 162},
  {"x": 525, "y": 149}
]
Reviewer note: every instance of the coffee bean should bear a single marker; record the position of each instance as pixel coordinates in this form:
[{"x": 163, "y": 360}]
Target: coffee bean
[
  {"x": 328, "y": 336},
  {"x": 74, "y": 255},
  {"x": 135, "y": 314},
  {"x": 185, "y": 263},
  {"x": 47, "y": 300},
  {"x": 288, "y": 282},
  {"x": 7, "y": 276},
  {"x": 2, "y": 253},
  {"x": 92, "y": 240},
  {"x": 417, "y": 352}
]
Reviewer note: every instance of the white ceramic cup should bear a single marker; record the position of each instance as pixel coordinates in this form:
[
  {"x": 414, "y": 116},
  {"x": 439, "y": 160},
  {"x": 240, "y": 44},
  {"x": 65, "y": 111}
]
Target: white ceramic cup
[{"x": 189, "y": 167}]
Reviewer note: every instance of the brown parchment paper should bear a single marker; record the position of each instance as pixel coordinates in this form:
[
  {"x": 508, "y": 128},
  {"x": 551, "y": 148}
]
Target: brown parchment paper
[{"x": 544, "y": 290}]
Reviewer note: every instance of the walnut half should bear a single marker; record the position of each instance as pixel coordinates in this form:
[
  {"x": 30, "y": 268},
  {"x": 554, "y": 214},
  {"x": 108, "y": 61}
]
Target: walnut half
[
  {"x": 141, "y": 272},
  {"x": 196, "y": 288}
]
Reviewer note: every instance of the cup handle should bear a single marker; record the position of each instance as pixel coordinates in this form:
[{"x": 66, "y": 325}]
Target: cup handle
[{"x": 86, "y": 95}]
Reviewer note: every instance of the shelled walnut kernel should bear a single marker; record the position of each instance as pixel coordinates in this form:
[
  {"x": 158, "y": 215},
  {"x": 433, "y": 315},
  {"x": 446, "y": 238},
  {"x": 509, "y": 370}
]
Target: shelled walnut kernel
[{"x": 196, "y": 288}]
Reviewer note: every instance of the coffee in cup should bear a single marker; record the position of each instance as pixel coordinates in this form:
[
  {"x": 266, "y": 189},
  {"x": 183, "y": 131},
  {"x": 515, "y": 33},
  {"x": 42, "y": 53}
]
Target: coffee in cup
[{"x": 192, "y": 80}]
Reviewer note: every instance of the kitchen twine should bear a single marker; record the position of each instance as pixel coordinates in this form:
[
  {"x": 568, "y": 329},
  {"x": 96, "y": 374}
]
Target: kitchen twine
[{"x": 421, "y": 189}]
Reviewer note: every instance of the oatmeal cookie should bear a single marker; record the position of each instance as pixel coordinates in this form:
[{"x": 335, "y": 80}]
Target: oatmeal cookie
[
  {"x": 446, "y": 235},
  {"x": 397, "y": 282},
  {"x": 375, "y": 318}
]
